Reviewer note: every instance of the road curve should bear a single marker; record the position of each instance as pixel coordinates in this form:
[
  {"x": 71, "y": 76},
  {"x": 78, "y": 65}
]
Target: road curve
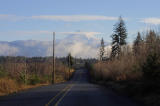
[{"x": 77, "y": 92}]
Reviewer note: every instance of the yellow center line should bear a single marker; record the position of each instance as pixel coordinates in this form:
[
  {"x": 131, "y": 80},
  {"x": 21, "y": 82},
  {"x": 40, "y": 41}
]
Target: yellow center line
[
  {"x": 71, "y": 85},
  {"x": 57, "y": 95}
]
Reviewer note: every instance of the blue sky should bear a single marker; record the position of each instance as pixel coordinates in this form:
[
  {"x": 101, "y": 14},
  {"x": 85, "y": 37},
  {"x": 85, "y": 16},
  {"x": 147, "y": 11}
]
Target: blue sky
[{"x": 36, "y": 19}]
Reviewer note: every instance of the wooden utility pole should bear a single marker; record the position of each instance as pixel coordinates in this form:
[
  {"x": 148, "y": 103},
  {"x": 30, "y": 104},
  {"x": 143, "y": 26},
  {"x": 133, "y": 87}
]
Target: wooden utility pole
[
  {"x": 53, "y": 71},
  {"x": 25, "y": 71},
  {"x": 14, "y": 64},
  {"x": 69, "y": 61}
]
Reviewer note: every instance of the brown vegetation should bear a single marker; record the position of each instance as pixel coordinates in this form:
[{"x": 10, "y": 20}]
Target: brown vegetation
[
  {"x": 136, "y": 72},
  {"x": 19, "y": 73}
]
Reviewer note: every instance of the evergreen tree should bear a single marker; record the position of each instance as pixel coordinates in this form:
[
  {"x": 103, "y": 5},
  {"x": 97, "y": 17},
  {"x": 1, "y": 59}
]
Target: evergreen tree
[
  {"x": 102, "y": 50},
  {"x": 115, "y": 45},
  {"x": 118, "y": 37},
  {"x": 151, "y": 37},
  {"x": 70, "y": 60},
  {"x": 137, "y": 43}
]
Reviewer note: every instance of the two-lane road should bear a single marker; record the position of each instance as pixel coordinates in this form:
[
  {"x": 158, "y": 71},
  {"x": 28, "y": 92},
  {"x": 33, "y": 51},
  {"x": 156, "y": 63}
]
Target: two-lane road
[{"x": 77, "y": 92}]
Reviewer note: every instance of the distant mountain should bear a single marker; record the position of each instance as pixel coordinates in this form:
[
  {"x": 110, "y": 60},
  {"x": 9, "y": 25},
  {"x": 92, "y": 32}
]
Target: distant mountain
[{"x": 80, "y": 45}]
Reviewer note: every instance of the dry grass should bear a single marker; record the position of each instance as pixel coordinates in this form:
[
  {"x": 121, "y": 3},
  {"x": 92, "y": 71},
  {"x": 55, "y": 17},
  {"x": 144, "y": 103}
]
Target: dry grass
[
  {"x": 134, "y": 73},
  {"x": 118, "y": 69},
  {"x": 8, "y": 86},
  {"x": 64, "y": 77},
  {"x": 13, "y": 77}
]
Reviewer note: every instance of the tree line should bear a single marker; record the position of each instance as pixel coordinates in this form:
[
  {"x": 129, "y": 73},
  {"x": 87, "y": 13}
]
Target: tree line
[
  {"x": 146, "y": 44},
  {"x": 118, "y": 40},
  {"x": 130, "y": 68}
]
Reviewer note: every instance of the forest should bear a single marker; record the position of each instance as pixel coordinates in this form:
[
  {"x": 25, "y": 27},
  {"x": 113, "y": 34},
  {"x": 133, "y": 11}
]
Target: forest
[
  {"x": 18, "y": 73},
  {"x": 131, "y": 69}
]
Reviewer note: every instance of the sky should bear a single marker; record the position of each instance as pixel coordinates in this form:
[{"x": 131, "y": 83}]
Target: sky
[{"x": 37, "y": 19}]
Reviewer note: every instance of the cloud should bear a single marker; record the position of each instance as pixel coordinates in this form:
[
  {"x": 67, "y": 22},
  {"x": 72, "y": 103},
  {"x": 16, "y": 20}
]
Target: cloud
[
  {"x": 48, "y": 33},
  {"x": 83, "y": 50},
  {"x": 73, "y": 18},
  {"x": 8, "y": 50},
  {"x": 66, "y": 18},
  {"x": 154, "y": 21},
  {"x": 26, "y": 33},
  {"x": 88, "y": 34},
  {"x": 77, "y": 49},
  {"x": 9, "y": 17},
  {"x": 40, "y": 32},
  {"x": 80, "y": 44}
]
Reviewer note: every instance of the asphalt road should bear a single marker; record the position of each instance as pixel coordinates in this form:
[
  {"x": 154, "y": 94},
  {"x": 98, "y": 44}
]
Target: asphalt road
[{"x": 77, "y": 92}]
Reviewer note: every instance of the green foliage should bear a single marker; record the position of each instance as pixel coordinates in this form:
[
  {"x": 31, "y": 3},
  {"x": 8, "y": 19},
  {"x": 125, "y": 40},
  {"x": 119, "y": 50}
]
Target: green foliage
[
  {"x": 137, "y": 43},
  {"x": 151, "y": 67},
  {"x": 22, "y": 77},
  {"x": 118, "y": 38},
  {"x": 115, "y": 45},
  {"x": 102, "y": 50},
  {"x": 3, "y": 73},
  {"x": 34, "y": 79},
  {"x": 70, "y": 60}
]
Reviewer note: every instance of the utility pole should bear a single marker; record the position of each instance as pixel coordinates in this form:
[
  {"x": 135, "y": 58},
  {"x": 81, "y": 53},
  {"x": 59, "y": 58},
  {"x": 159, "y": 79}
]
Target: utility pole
[
  {"x": 14, "y": 64},
  {"x": 69, "y": 61},
  {"x": 53, "y": 71},
  {"x": 25, "y": 71}
]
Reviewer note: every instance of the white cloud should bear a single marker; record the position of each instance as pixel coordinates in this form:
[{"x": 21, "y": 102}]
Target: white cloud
[
  {"x": 154, "y": 21},
  {"x": 73, "y": 18},
  {"x": 9, "y": 17},
  {"x": 66, "y": 18},
  {"x": 80, "y": 44},
  {"x": 40, "y": 32},
  {"x": 6, "y": 50},
  {"x": 88, "y": 34},
  {"x": 26, "y": 33},
  {"x": 77, "y": 49},
  {"x": 48, "y": 33},
  {"x": 83, "y": 50}
]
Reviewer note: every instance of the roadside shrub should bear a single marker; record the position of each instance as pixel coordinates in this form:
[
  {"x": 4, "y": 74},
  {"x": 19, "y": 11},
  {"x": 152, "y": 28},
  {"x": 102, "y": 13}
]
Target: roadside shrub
[
  {"x": 151, "y": 67},
  {"x": 3, "y": 73},
  {"x": 34, "y": 79},
  {"x": 131, "y": 66},
  {"x": 46, "y": 79},
  {"x": 117, "y": 69},
  {"x": 22, "y": 77},
  {"x": 7, "y": 86}
]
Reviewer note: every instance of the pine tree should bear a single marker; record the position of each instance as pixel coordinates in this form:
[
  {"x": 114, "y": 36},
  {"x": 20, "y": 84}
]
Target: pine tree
[
  {"x": 118, "y": 37},
  {"x": 70, "y": 63},
  {"x": 115, "y": 45},
  {"x": 151, "y": 37},
  {"x": 137, "y": 44},
  {"x": 102, "y": 50},
  {"x": 70, "y": 60}
]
